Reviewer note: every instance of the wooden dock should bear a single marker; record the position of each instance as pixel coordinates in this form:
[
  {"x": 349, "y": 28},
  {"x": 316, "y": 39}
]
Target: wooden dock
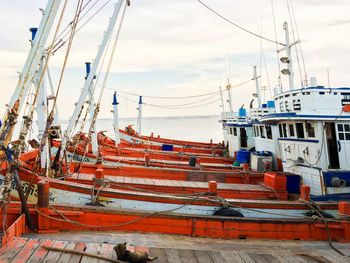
[{"x": 168, "y": 249}]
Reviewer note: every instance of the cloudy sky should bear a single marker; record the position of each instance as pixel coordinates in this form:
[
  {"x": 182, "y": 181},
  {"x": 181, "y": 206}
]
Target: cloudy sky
[{"x": 179, "y": 48}]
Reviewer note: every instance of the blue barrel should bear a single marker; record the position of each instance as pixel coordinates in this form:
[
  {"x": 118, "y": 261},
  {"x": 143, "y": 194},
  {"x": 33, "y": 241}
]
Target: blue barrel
[
  {"x": 270, "y": 104},
  {"x": 167, "y": 147},
  {"x": 293, "y": 182},
  {"x": 243, "y": 156},
  {"x": 242, "y": 112}
]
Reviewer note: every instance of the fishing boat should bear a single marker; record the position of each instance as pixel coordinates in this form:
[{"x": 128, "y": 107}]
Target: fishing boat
[{"x": 55, "y": 198}]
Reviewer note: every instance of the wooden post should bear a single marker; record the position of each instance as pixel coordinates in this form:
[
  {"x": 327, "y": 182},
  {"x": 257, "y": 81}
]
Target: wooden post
[
  {"x": 43, "y": 204},
  {"x": 25, "y": 209}
]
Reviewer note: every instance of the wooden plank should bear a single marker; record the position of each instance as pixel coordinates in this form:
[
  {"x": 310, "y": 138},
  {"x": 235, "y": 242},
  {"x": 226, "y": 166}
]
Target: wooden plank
[
  {"x": 173, "y": 255},
  {"x": 40, "y": 253},
  {"x": 246, "y": 258},
  {"x": 90, "y": 248},
  {"x": 77, "y": 258},
  {"x": 202, "y": 256},
  {"x": 217, "y": 257},
  {"x": 66, "y": 256},
  {"x": 53, "y": 256},
  {"x": 230, "y": 256},
  {"x": 187, "y": 256},
  {"x": 263, "y": 258},
  {"x": 26, "y": 251},
  {"x": 7, "y": 253},
  {"x": 282, "y": 258},
  {"x": 107, "y": 250},
  {"x": 160, "y": 253}
]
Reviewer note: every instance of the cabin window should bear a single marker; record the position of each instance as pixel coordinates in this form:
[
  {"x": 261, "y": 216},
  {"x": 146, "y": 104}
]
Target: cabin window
[
  {"x": 310, "y": 130},
  {"x": 296, "y": 104},
  {"x": 299, "y": 127},
  {"x": 268, "y": 132},
  {"x": 344, "y": 132},
  {"x": 235, "y": 131},
  {"x": 257, "y": 131},
  {"x": 280, "y": 130},
  {"x": 284, "y": 126},
  {"x": 291, "y": 130},
  {"x": 262, "y": 131},
  {"x": 282, "y": 106}
]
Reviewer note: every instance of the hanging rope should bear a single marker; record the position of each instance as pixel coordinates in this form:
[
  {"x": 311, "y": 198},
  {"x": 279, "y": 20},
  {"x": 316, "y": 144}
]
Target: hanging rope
[
  {"x": 181, "y": 97},
  {"x": 89, "y": 19},
  {"x": 97, "y": 108},
  {"x": 234, "y": 24}
]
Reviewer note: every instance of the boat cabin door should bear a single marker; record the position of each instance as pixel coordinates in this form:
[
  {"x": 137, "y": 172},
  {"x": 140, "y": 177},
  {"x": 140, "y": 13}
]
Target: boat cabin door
[
  {"x": 343, "y": 130},
  {"x": 332, "y": 145},
  {"x": 244, "y": 138}
]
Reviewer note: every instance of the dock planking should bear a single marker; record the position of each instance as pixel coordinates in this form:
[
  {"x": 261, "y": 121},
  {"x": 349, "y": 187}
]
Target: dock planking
[{"x": 30, "y": 250}]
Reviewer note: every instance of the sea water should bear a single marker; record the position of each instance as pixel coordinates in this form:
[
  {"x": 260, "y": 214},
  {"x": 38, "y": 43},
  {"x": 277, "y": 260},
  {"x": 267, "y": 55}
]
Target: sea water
[{"x": 189, "y": 128}]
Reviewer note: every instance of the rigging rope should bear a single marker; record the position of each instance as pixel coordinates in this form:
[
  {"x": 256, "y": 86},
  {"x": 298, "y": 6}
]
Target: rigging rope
[
  {"x": 89, "y": 19},
  {"x": 182, "y": 97},
  {"x": 236, "y": 25}
]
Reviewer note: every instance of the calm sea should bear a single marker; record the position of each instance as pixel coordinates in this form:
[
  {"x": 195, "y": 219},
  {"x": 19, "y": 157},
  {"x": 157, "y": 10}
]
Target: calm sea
[{"x": 193, "y": 128}]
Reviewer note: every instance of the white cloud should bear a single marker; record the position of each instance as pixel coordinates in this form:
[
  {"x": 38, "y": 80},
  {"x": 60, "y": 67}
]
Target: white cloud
[{"x": 177, "y": 47}]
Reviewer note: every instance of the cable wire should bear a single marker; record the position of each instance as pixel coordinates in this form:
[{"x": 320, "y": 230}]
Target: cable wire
[{"x": 236, "y": 25}]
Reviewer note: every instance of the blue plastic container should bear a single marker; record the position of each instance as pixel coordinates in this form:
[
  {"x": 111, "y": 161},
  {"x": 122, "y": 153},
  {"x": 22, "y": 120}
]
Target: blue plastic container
[
  {"x": 242, "y": 112},
  {"x": 293, "y": 183},
  {"x": 243, "y": 156},
  {"x": 270, "y": 104},
  {"x": 263, "y": 105},
  {"x": 167, "y": 147}
]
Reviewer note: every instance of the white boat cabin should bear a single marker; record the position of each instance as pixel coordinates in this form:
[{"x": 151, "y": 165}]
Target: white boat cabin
[
  {"x": 314, "y": 137},
  {"x": 238, "y": 131},
  {"x": 266, "y": 134}
]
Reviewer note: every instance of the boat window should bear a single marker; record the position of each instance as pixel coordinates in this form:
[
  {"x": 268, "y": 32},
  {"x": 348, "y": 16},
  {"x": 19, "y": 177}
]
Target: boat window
[
  {"x": 299, "y": 127},
  {"x": 344, "y": 132},
  {"x": 306, "y": 93},
  {"x": 310, "y": 130},
  {"x": 235, "y": 131},
  {"x": 284, "y": 126},
  {"x": 262, "y": 131},
  {"x": 291, "y": 130},
  {"x": 257, "y": 131},
  {"x": 280, "y": 130},
  {"x": 321, "y": 93},
  {"x": 268, "y": 132},
  {"x": 296, "y": 104},
  {"x": 281, "y": 106}
]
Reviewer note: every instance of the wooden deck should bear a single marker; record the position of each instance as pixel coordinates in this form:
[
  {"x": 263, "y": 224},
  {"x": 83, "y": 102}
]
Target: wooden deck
[{"x": 167, "y": 248}]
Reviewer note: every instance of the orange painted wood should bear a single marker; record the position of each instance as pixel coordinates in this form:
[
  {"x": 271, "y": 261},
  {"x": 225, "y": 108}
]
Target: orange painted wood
[
  {"x": 40, "y": 252},
  {"x": 10, "y": 250},
  {"x": 26, "y": 251}
]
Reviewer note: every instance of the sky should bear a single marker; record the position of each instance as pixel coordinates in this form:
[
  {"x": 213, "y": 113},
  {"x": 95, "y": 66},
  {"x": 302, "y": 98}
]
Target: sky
[{"x": 181, "y": 49}]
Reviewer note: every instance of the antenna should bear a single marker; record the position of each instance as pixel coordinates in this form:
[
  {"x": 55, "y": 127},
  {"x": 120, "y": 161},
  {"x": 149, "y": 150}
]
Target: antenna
[{"x": 329, "y": 83}]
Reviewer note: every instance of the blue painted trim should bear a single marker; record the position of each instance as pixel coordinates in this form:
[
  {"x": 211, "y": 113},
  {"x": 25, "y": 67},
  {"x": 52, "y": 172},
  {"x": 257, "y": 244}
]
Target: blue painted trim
[
  {"x": 294, "y": 115},
  {"x": 239, "y": 125},
  {"x": 258, "y": 122},
  {"x": 307, "y": 166},
  {"x": 343, "y": 175},
  {"x": 297, "y": 140},
  {"x": 140, "y": 100},
  {"x": 311, "y": 88},
  {"x": 115, "y": 102},
  {"x": 331, "y": 197}
]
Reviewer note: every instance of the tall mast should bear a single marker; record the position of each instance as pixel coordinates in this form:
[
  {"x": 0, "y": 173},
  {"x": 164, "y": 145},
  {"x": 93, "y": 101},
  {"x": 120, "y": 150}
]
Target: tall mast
[
  {"x": 33, "y": 60},
  {"x": 88, "y": 82},
  {"x": 255, "y": 77},
  {"x": 94, "y": 143},
  {"x": 229, "y": 95},
  {"x": 139, "y": 117},
  {"x": 222, "y": 100},
  {"x": 116, "y": 119},
  {"x": 288, "y": 59}
]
